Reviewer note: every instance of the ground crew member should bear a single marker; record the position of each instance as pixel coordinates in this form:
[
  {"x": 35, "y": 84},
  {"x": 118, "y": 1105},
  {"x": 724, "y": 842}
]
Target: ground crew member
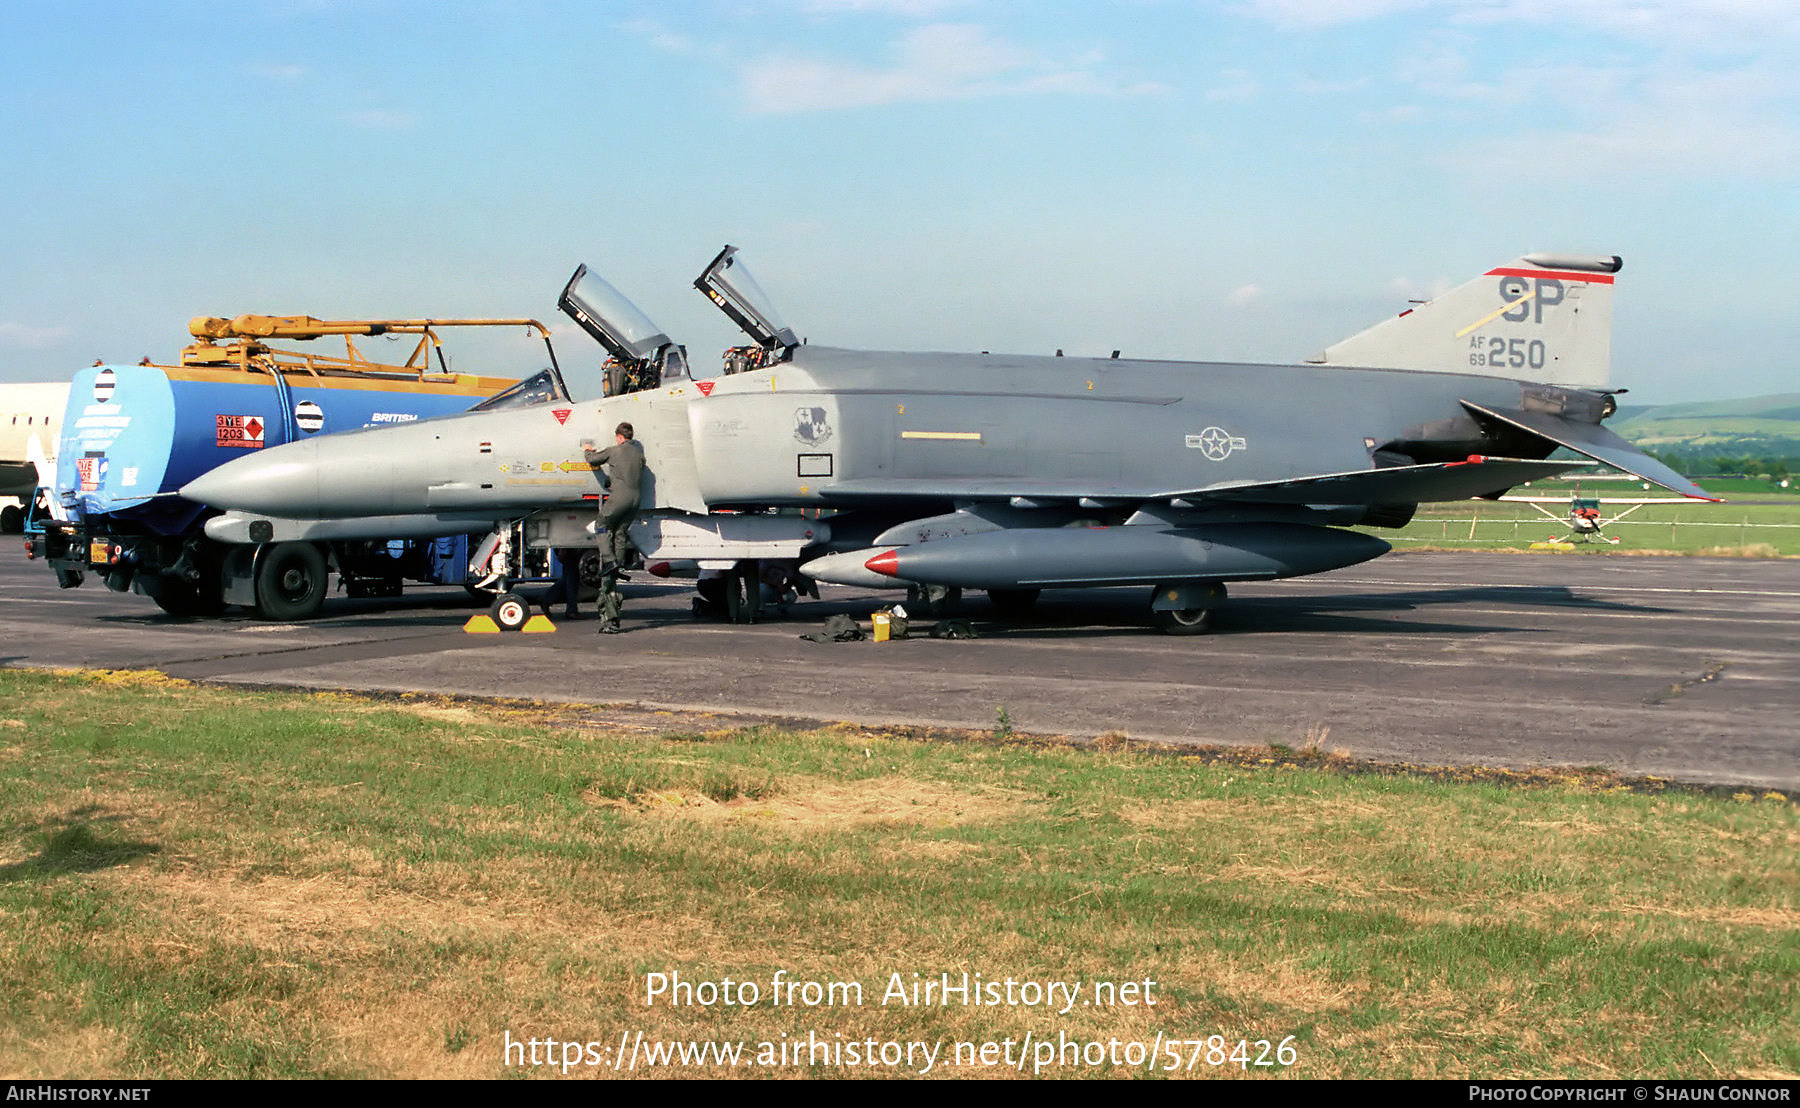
[
  {"x": 624, "y": 462},
  {"x": 567, "y": 589}
]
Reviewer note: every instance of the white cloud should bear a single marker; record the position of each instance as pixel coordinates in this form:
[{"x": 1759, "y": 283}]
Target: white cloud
[
  {"x": 1238, "y": 85},
  {"x": 1697, "y": 146},
  {"x": 1692, "y": 88},
  {"x": 1664, "y": 117},
  {"x": 1441, "y": 69},
  {"x": 1690, "y": 23},
  {"x": 1312, "y": 86},
  {"x": 669, "y": 42},
  {"x": 1439, "y": 64},
  {"x": 277, "y": 71},
  {"x": 1687, "y": 25},
  {"x": 1666, "y": 19},
  {"x": 24, "y": 337},
  {"x": 379, "y": 119},
  {"x": 1313, "y": 15},
  {"x": 1244, "y": 296},
  {"x": 1398, "y": 114},
  {"x": 910, "y": 9},
  {"x": 938, "y": 61}
]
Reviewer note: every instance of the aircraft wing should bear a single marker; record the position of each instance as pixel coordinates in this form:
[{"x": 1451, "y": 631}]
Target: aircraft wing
[
  {"x": 1474, "y": 476},
  {"x": 988, "y": 489},
  {"x": 1394, "y": 485}
]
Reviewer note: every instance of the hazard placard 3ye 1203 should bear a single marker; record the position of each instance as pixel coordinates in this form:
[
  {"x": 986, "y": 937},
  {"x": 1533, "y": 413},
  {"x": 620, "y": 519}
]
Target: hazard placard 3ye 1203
[{"x": 237, "y": 430}]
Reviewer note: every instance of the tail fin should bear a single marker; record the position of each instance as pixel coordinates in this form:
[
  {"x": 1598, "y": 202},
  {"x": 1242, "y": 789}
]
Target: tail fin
[{"x": 1543, "y": 317}]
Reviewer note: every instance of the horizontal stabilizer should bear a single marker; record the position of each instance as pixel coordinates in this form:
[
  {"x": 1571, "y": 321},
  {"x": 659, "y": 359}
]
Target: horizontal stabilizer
[
  {"x": 1475, "y": 476},
  {"x": 1594, "y": 441}
]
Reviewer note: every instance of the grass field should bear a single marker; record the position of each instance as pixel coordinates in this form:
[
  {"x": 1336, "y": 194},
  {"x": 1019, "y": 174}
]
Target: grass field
[
  {"x": 1765, "y": 530},
  {"x": 199, "y": 882}
]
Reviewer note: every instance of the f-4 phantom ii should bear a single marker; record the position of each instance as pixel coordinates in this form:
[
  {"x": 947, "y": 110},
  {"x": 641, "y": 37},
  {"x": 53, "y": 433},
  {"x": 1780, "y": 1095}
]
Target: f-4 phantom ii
[{"x": 1008, "y": 473}]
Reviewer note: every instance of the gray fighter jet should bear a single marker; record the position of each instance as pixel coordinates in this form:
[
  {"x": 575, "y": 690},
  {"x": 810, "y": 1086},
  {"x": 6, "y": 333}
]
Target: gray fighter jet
[{"x": 1009, "y": 473}]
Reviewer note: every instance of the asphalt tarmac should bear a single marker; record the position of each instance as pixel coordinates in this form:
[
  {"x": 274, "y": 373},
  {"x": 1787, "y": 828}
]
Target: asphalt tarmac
[{"x": 1681, "y": 668}]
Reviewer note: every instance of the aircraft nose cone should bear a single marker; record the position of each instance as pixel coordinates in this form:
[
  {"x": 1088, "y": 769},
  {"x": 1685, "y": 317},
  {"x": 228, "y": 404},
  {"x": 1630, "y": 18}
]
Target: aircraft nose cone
[{"x": 285, "y": 481}]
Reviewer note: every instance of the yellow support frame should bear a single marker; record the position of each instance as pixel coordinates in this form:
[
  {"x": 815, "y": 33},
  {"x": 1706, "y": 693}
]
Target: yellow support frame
[{"x": 248, "y": 353}]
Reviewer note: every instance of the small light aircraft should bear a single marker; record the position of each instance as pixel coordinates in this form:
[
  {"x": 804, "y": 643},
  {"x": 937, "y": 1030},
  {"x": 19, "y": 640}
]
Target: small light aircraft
[
  {"x": 1009, "y": 473},
  {"x": 1585, "y": 519}
]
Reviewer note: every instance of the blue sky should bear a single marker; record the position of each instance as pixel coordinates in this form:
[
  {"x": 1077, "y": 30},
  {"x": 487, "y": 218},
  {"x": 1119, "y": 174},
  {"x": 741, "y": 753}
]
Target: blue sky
[{"x": 1247, "y": 179}]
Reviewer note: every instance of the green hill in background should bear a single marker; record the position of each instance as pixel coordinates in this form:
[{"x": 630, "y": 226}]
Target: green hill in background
[{"x": 1759, "y": 426}]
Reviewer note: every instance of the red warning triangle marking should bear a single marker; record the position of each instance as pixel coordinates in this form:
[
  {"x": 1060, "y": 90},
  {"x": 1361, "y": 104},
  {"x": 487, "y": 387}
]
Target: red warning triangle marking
[
  {"x": 561, "y": 414},
  {"x": 705, "y": 387}
]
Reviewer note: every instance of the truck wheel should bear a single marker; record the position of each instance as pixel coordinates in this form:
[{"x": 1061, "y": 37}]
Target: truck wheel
[
  {"x": 510, "y": 611},
  {"x": 290, "y": 581},
  {"x": 12, "y": 520},
  {"x": 185, "y": 601}
]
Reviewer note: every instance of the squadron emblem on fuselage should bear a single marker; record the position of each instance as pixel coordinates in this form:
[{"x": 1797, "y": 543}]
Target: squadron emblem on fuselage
[{"x": 810, "y": 426}]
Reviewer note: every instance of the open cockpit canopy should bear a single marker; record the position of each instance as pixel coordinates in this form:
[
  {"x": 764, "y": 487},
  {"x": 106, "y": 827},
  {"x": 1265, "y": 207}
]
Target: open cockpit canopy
[
  {"x": 729, "y": 285},
  {"x": 643, "y": 354}
]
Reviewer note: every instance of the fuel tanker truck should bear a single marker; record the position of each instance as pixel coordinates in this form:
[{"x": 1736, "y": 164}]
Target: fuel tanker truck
[{"x": 134, "y": 434}]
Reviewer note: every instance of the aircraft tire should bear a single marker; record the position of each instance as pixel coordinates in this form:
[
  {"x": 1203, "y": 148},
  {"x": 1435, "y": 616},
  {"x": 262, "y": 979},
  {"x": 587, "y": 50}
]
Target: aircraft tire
[
  {"x": 1014, "y": 603},
  {"x": 12, "y": 520},
  {"x": 1187, "y": 621},
  {"x": 510, "y": 611},
  {"x": 589, "y": 569},
  {"x": 290, "y": 581},
  {"x": 1184, "y": 621}
]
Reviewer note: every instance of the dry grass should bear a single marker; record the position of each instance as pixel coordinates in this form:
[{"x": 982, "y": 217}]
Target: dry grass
[
  {"x": 352, "y": 888},
  {"x": 814, "y": 805}
]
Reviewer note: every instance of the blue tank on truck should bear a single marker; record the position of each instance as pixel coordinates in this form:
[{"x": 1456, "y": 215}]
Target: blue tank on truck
[{"x": 134, "y": 434}]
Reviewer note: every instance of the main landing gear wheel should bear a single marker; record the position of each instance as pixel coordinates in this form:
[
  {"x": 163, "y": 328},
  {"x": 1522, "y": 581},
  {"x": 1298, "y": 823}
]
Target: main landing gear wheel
[
  {"x": 1013, "y": 602},
  {"x": 290, "y": 581},
  {"x": 510, "y": 611},
  {"x": 1184, "y": 621},
  {"x": 589, "y": 569},
  {"x": 1196, "y": 619}
]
